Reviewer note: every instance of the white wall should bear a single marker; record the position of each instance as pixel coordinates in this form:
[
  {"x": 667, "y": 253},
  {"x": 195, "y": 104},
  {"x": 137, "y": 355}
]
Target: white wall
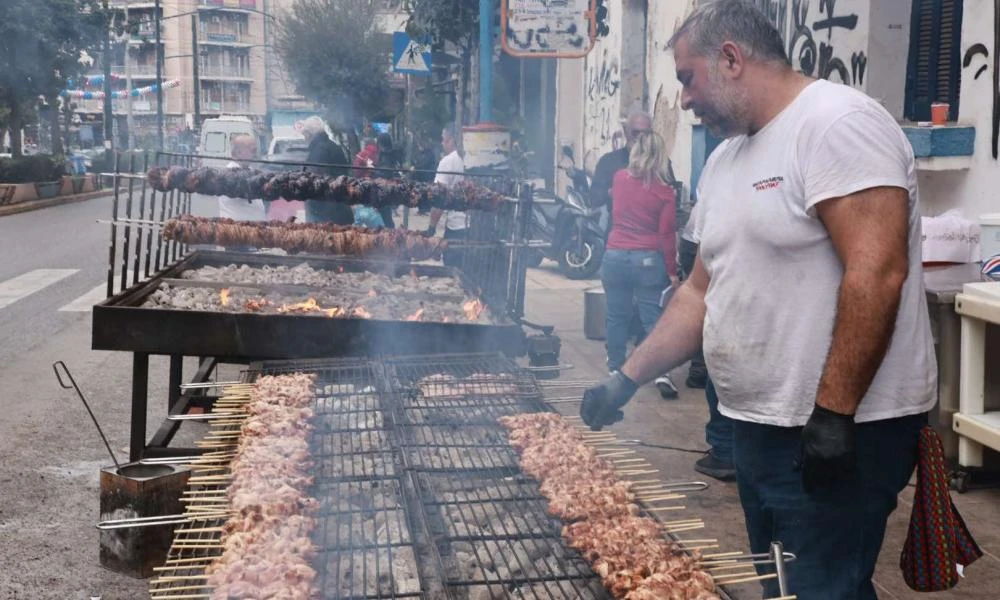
[
  {"x": 602, "y": 107},
  {"x": 976, "y": 190},
  {"x": 888, "y": 51}
]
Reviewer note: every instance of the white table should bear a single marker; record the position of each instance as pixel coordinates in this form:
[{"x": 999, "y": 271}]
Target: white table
[{"x": 978, "y": 305}]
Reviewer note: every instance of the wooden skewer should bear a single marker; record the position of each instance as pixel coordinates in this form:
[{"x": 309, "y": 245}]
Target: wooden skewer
[
  {"x": 204, "y": 492},
  {"x": 663, "y": 498},
  {"x": 203, "y": 529},
  {"x": 210, "y": 478},
  {"x": 627, "y": 460},
  {"x": 748, "y": 579},
  {"x": 723, "y": 555},
  {"x": 196, "y": 559},
  {"x": 168, "y": 578},
  {"x": 180, "y": 597},
  {"x": 723, "y": 578},
  {"x": 701, "y": 547},
  {"x": 639, "y": 472},
  {"x": 659, "y": 508},
  {"x": 180, "y": 588},
  {"x": 701, "y": 541},
  {"x": 727, "y": 567},
  {"x": 189, "y": 546},
  {"x": 785, "y": 598},
  {"x": 683, "y": 528},
  {"x": 616, "y": 453}
]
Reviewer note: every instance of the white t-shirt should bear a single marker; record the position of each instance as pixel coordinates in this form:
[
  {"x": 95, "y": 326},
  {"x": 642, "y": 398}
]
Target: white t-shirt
[
  {"x": 775, "y": 275},
  {"x": 241, "y": 209},
  {"x": 452, "y": 163}
]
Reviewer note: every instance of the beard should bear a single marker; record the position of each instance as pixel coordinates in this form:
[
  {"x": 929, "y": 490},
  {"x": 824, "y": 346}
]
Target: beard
[{"x": 726, "y": 113}]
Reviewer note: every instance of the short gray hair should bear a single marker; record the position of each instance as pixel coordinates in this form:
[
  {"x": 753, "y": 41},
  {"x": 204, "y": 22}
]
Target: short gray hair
[
  {"x": 313, "y": 125},
  {"x": 738, "y": 21}
]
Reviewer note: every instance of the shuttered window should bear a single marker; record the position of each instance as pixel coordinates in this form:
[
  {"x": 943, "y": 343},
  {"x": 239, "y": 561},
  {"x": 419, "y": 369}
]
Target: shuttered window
[{"x": 934, "y": 65}]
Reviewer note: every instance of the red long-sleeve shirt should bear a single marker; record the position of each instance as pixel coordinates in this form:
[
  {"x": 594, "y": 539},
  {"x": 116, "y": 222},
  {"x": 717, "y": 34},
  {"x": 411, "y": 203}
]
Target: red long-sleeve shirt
[{"x": 643, "y": 217}]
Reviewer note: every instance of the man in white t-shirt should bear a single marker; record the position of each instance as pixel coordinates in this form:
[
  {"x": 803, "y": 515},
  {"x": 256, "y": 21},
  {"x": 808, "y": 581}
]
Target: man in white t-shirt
[
  {"x": 449, "y": 172},
  {"x": 807, "y": 298}
]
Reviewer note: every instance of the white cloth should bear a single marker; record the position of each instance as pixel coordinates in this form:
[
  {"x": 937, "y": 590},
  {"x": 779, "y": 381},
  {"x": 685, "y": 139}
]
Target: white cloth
[
  {"x": 775, "y": 275},
  {"x": 241, "y": 209},
  {"x": 447, "y": 169}
]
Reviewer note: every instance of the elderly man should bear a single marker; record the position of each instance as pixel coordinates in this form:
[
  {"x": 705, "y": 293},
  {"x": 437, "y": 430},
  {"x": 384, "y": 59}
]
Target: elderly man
[
  {"x": 323, "y": 151},
  {"x": 616, "y": 160},
  {"x": 807, "y": 297}
]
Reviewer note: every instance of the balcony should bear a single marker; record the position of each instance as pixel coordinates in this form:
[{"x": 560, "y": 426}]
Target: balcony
[
  {"x": 228, "y": 38},
  {"x": 139, "y": 71},
  {"x": 229, "y": 107},
  {"x": 220, "y": 72}
]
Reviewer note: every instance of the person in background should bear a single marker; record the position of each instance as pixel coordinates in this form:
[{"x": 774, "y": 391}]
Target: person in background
[
  {"x": 449, "y": 172},
  {"x": 366, "y": 216},
  {"x": 365, "y": 160},
  {"x": 616, "y": 160},
  {"x": 388, "y": 163},
  {"x": 423, "y": 164},
  {"x": 640, "y": 261},
  {"x": 826, "y": 366},
  {"x": 244, "y": 147},
  {"x": 323, "y": 151}
]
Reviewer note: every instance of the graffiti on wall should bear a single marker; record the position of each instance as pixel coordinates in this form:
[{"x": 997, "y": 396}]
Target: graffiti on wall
[
  {"x": 970, "y": 58},
  {"x": 777, "y": 13},
  {"x": 813, "y": 47},
  {"x": 601, "y": 115}
]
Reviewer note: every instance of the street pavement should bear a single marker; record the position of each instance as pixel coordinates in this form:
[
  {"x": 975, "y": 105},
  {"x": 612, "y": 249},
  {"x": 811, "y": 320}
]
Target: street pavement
[{"x": 54, "y": 269}]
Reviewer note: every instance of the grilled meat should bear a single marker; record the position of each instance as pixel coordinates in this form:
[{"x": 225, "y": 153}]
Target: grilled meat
[
  {"x": 318, "y": 238},
  {"x": 304, "y": 185},
  {"x": 628, "y": 551}
]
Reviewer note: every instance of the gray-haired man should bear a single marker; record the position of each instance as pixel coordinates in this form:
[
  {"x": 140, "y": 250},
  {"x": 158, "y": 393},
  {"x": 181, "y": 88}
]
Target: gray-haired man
[{"x": 826, "y": 365}]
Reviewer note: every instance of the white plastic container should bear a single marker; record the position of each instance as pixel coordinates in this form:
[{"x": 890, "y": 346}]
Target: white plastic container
[{"x": 989, "y": 239}]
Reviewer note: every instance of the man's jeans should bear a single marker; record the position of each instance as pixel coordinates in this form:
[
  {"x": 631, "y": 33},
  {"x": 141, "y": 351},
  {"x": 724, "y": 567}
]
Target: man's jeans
[
  {"x": 638, "y": 276},
  {"x": 719, "y": 430},
  {"x": 835, "y": 536}
]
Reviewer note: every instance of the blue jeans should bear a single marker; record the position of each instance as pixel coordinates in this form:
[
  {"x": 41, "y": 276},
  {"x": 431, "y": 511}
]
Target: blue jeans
[
  {"x": 836, "y": 536},
  {"x": 719, "y": 430},
  {"x": 631, "y": 278}
]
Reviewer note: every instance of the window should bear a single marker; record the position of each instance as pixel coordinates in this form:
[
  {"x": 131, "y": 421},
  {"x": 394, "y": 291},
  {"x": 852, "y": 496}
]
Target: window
[
  {"x": 215, "y": 142},
  {"x": 933, "y": 68}
]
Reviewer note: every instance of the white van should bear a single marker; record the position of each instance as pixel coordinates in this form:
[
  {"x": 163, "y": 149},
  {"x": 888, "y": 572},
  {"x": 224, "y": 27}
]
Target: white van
[{"x": 217, "y": 138}]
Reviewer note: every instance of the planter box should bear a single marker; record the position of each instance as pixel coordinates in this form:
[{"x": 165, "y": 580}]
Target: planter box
[
  {"x": 14, "y": 193},
  {"x": 76, "y": 184},
  {"x": 48, "y": 189}
]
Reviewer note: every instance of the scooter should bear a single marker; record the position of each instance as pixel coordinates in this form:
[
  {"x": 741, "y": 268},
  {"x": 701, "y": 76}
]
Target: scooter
[{"x": 570, "y": 224}]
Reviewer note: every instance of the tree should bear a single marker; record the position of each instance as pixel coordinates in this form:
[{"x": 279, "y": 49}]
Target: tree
[
  {"x": 333, "y": 51},
  {"x": 448, "y": 21},
  {"x": 40, "y": 44}
]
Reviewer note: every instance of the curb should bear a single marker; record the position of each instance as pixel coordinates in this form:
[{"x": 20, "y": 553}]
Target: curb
[{"x": 30, "y": 205}]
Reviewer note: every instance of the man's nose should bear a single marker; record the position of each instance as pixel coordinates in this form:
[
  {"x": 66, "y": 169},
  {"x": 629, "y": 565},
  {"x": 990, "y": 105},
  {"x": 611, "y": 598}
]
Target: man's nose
[{"x": 685, "y": 99}]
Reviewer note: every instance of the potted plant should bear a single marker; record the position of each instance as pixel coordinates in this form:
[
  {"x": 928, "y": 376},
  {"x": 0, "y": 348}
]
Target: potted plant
[{"x": 34, "y": 176}]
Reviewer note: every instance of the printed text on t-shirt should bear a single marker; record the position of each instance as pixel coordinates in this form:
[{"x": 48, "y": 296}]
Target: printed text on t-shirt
[{"x": 768, "y": 184}]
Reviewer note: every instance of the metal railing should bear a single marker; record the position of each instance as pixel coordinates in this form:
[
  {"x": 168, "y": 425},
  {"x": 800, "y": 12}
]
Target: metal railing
[{"x": 221, "y": 71}]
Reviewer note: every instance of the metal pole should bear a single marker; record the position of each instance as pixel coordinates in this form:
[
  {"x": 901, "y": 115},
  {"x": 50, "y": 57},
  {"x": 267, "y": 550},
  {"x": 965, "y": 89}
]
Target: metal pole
[
  {"x": 485, "y": 61},
  {"x": 159, "y": 78},
  {"x": 197, "y": 84},
  {"x": 129, "y": 124},
  {"x": 108, "y": 131}
]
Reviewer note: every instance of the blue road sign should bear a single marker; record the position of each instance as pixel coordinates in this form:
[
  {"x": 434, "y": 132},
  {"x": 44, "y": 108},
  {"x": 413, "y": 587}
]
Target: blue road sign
[{"x": 409, "y": 56}]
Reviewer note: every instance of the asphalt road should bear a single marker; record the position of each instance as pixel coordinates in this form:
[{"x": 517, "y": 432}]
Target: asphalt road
[{"x": 54, "y": 259}]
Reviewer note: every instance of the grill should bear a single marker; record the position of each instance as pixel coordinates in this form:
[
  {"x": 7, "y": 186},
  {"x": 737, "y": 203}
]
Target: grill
[{"x": 492, "y": 269}]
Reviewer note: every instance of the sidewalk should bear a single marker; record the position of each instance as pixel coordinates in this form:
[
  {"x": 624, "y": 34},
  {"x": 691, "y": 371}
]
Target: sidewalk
[
  {"x": 20, "y": 207},
  {"x": 552, "y": 299}
]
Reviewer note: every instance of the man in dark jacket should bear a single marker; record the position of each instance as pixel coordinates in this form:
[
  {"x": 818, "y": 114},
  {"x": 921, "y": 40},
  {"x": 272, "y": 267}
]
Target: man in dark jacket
[
  {"x": 616, "y": 160},
  {"x": 323, "y": 151}
]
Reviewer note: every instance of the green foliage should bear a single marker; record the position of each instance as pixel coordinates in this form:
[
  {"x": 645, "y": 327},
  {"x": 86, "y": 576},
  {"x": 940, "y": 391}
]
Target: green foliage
[
  {"x": 334, "y": 53},
  {"x": 36, "y": 168},
  {"x": 40, "y": 44},
  {"x": 455, "y": 21}
]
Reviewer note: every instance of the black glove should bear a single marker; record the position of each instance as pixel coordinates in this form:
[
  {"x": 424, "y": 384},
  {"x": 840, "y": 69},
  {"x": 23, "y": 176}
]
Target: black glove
[
  {"x": 827, "y": 453},
  {"x": 430, "y": 231},
  {"x": 602, "y": 404}
]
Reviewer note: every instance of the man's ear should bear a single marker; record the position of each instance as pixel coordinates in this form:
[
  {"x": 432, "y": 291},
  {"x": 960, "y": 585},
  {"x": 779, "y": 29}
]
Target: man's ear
[{"x": 733, "y": 60}]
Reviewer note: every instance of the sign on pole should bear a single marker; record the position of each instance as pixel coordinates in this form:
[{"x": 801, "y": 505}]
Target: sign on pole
[
  {"x": 410, "y": 56},
  {"x": 548, "y": 28}
]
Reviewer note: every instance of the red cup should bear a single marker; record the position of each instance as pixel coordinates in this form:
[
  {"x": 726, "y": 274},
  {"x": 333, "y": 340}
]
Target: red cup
[{"x": 939, "y": 113}]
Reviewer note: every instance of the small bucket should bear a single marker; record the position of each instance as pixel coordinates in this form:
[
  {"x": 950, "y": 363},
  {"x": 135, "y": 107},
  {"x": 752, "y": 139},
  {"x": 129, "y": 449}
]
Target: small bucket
[{"x": 939, "y": 113}]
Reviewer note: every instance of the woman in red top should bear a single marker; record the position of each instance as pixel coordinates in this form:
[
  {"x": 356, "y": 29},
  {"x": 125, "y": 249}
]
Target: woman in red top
[{"x": 640, "y": 261}]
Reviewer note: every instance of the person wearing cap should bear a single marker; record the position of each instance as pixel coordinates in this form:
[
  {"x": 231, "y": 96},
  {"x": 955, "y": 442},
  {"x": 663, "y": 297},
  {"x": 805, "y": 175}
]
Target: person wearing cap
[{"x": 826, "y": 366}]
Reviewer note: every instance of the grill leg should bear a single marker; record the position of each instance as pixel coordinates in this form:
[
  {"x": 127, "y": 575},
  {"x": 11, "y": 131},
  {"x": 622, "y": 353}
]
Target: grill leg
[
  {"x": 140, "y": 395},
  {"x": 174, "y": 384}
]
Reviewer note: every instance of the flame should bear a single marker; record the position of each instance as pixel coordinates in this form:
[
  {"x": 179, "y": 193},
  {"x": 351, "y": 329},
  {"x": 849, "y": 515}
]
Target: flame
[
  {"x": 307, "y": 306},
  {"x": 361, "y": 313},
  {"x": 446, "y": 320},
  {"x": 372, "y": 293},
  {"x": 334, "y": 312},
  {"x": 473, "y": 308},
  {"x": 224, "y": 296},
  {"x": 417, "y": 316},
  {"x": 256, "y": 304},
  {"x": 340, "y": 269}
]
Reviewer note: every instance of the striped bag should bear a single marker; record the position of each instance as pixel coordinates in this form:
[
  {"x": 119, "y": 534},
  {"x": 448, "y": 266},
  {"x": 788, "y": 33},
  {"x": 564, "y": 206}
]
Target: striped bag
[{"x": 937, "y": 540}]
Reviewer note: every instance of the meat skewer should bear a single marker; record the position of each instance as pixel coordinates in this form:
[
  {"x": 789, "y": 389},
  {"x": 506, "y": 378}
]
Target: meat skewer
[
  {"x": 317, "y": 238},
  {"x": 304, "y": 185},
  {"x": 627, "y": 551}
]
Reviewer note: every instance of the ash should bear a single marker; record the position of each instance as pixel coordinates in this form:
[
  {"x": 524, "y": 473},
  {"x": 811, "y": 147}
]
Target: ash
[{"x": 363, "y": 295}]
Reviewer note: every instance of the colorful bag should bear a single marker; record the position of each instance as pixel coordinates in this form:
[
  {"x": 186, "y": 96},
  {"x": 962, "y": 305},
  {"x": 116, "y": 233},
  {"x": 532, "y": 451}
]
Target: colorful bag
[{"x": 937, "y": 539}]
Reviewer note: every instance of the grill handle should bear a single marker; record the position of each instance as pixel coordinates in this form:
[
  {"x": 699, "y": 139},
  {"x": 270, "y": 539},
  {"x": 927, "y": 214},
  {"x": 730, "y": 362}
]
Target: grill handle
[{"x": 72, "y": 385}]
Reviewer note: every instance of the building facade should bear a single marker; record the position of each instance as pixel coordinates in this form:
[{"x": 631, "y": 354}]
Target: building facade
[{"x": 906, "y": 54}]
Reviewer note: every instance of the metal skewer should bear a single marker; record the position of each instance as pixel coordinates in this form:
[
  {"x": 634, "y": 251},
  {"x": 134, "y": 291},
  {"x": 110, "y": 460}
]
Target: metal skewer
[{"x": 72, "y": 385}]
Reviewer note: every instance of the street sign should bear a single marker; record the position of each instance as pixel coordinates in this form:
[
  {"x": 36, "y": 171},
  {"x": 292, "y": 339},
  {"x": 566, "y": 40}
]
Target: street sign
[
  {"x": 548, "y": 28},
  {"x": 410, "y": 56}
]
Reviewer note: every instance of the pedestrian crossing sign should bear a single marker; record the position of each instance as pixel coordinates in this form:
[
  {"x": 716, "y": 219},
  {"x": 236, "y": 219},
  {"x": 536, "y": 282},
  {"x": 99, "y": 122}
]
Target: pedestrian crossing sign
[{"x": 410, "y": 56}]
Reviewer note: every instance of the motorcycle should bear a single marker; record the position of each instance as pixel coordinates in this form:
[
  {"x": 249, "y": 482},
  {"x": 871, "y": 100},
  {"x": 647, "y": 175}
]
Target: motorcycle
[{"x": 574, "y": 229}]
